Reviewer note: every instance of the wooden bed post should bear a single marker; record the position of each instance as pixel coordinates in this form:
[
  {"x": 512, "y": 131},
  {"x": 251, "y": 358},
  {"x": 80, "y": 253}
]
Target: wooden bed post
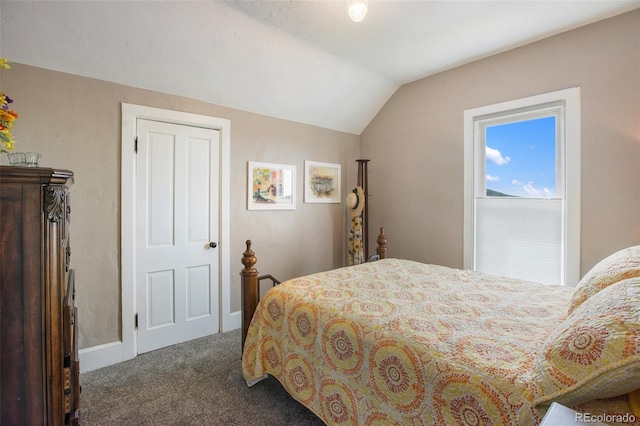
[
  {"x": 382, "y": 244},
  {"x": 250, "y": 291}
]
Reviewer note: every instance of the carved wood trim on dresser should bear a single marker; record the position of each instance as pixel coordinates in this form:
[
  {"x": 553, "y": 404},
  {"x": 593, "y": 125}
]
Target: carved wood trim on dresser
[{"x": 39, "y": 369}]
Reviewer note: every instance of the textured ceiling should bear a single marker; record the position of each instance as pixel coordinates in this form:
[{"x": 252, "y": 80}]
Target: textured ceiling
[{"x": 298, "y": 60}]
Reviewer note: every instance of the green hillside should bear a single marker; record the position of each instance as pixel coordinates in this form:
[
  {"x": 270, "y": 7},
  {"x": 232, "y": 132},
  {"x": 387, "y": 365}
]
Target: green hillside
[{"x": 492, "y": 193}]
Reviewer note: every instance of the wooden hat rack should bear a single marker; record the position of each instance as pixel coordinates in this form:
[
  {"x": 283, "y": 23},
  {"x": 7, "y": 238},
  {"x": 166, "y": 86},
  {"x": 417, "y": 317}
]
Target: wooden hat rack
[{"x": 363, "y": 182}]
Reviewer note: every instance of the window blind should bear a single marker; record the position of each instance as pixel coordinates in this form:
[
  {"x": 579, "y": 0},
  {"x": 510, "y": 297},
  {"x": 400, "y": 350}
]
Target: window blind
[{"x": 520, "y": 238}]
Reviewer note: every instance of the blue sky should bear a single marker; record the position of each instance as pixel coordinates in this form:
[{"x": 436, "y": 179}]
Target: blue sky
[{"x": 521, "y": 158}]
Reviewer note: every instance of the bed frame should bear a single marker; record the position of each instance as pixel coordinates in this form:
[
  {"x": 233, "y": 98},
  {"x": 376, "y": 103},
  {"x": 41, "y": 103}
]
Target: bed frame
[{"x": 250, "y": 280}]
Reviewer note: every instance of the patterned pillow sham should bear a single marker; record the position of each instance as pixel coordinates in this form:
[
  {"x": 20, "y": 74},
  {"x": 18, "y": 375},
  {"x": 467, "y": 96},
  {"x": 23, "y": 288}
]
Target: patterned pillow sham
[
  {"x": 595, "y": 352},
  {"x": 619, "y": 266}
]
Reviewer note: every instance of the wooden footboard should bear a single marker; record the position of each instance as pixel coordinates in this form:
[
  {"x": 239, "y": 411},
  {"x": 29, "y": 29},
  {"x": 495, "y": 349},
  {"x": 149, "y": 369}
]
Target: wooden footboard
[{"x": 250, "y": 282}]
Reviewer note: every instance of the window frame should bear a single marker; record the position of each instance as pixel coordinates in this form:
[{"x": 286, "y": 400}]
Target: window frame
[{"x": 567, "y": 159}]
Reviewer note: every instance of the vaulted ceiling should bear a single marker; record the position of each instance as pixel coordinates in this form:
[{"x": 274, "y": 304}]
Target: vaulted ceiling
[{"x": 304, "y": 61}]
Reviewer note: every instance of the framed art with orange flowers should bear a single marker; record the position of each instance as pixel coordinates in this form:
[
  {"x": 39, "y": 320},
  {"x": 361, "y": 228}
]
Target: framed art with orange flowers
[{"x": 271, "y": 186}]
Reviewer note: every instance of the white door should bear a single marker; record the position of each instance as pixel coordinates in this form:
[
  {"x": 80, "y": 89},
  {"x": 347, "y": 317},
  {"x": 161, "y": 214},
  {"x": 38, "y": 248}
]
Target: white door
[{"x": 177, "y": 261}]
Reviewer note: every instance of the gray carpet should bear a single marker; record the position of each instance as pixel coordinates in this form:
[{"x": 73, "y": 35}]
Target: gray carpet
[{"x": 194, "y": 383}]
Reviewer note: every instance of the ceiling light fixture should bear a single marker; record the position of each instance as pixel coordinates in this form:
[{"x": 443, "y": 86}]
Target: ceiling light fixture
[{"x": 357, "y": 9}]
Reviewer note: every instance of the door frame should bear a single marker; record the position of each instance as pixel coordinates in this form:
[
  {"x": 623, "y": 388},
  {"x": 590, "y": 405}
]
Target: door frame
[{"x": 130, "y": 114}]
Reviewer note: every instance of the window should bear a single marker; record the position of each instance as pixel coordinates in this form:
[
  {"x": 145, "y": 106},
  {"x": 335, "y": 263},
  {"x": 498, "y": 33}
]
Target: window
[
  {"x": 520, "y": 156},
  {"x": 522, "y": 188}
]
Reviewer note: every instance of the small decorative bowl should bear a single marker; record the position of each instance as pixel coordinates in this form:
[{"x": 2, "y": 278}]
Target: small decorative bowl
[
  {"x": 24, "y": 159},
  {"x": 17, "y": 158}
]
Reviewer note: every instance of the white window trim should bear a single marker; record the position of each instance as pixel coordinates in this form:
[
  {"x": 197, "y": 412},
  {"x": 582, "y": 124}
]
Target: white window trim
[{"x": 571, "y": 185}]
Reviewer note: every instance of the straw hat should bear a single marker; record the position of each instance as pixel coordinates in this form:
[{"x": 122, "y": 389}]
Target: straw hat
[{"x": 355, "y": 201}]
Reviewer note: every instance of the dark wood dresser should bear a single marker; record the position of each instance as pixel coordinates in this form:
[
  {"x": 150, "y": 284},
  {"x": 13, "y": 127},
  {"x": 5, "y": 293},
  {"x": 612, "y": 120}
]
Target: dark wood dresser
[{"x": 39, "y": 368}]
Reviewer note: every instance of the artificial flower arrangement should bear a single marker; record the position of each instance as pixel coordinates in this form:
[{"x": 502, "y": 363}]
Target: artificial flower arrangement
[{"x": 7, "y": 117}]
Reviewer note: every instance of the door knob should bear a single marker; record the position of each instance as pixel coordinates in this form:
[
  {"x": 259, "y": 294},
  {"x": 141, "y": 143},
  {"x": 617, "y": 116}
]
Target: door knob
[{"x": 213, "y": 245}]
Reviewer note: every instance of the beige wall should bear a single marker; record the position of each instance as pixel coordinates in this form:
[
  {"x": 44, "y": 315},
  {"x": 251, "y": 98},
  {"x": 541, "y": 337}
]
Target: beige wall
[
  {"x": 416, "y": 141},
  {"x": 75, "y": 123},
  {"x": 415, "y": 144}
]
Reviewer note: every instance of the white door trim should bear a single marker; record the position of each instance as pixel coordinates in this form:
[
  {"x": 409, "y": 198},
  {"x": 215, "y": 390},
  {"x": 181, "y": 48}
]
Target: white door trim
[{"x": 130, "y": 114}]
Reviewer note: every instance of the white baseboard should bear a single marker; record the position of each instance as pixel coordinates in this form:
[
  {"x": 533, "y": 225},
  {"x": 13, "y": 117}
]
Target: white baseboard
[
  {"x": 112, "y": 353},
  {"x": 100, "y": 356},
  {"x": 235, "y": 322}
]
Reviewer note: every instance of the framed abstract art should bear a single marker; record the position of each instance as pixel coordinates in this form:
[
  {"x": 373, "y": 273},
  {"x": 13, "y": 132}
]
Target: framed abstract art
[{"x": 322, "y": 182}]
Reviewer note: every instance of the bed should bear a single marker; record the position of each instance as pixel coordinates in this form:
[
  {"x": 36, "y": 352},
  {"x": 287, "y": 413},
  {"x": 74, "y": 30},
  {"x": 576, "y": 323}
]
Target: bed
[{"x": 400, "y": 342}]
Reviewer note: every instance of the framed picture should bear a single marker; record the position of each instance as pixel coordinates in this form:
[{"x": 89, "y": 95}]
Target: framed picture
[
  {"x": 322, "y": 182},
  {"x": 271, "y": 186}
]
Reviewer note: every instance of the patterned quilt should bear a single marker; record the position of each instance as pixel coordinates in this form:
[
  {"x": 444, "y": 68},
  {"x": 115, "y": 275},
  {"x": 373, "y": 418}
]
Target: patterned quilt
[{"x": 400, "y": 342}]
